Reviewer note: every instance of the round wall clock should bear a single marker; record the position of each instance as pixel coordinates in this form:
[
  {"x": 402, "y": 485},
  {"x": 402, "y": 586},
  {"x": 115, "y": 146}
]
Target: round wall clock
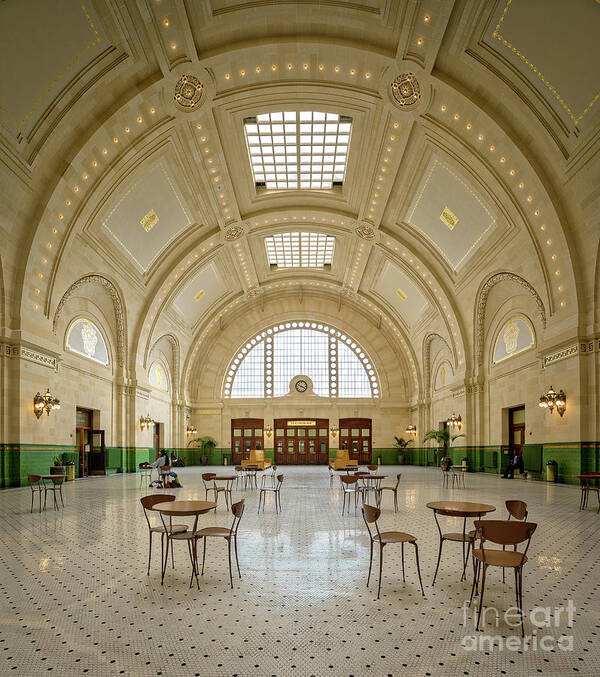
[{"x": 301, "y": 386}]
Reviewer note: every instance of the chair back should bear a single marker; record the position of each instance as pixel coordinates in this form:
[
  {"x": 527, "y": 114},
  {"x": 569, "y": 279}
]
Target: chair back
[
  {"x": 57, "y": 480},
  {"x": 279, "y": 481},
  {"x": 517, "y": 509},
  {"x": 349, "y": 479},
  {"x": 148, "y": 503},
  {"x": 504, "y": 532},
  {"x": 398, "y": 476},
  {"x": 372, "y": 468},
  {"x": 208, "y": 477},
  {"x": 370, "y": 515},
  {"x": 164, "y": 469},
  {"x": 238, "y": 510}
]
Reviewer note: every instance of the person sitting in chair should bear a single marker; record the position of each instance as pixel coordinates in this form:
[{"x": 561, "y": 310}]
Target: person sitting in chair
[
  {"x": 446, "y": 463},
  {"x": 515, "y": 463},
  {"x": 169, "y": 477}
]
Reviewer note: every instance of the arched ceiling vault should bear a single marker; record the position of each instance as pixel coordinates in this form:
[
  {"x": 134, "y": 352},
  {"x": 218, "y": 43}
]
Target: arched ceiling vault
[{"x": 152, "y": 180}]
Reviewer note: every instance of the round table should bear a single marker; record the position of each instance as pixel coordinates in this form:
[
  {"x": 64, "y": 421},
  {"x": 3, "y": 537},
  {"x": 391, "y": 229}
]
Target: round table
[
  {"x": 190, "y": 508},
  {"x": 462, "y": 509}
]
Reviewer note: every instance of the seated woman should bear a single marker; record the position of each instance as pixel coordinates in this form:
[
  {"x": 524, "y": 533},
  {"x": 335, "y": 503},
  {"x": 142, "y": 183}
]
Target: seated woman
[
  {"x": 169, "y": 477},
  {"x": 446, "y": 463}
]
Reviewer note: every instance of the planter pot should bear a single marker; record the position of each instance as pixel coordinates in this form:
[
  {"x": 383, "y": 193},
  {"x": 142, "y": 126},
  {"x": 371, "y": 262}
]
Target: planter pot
[
  {"x": 58, "y": 470},
  {"x": 204, "y": 460},
  {"x": 400, "y": 459}
]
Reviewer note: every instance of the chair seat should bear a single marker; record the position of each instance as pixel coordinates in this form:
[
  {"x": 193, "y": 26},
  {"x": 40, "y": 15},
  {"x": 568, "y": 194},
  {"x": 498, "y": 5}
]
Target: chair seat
[
  {"x": 394, "y": 537},
  {"x": 38, "y": 488},
  {"x": 182, "y": 535},
  {"x": 501, "y": 558},
  {"x": 596, "y": 489},
  {"x": 459, "y": 537},
  {"x": 388, "y": 488},
  {"x": 213, "y": 531},
  {"x": 175, "y": 529},
  {"x": 268, "y": 488}
]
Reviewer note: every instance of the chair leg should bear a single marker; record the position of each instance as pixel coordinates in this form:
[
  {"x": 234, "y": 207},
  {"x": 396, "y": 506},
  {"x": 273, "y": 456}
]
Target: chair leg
[
  {"x": 31, "y": 502},
  {"x": 45, "y": 497},
  {"x": 61, "y": 496},
  {"x": 237, "y": 561},
  {"x": 229, "y": 557},
  {"x": 380, "y": 568},
  {"x": 203, "y": 555},
  {"x": 475, "y": 577},
  {"x": 521, "y": 601},
  {"x": 403, "y": 577},
  {"x": 481, "y": 594},
  {"x": 418, "y": 567},
  {"x": 166, "y": 560},
  {"x": 438, "y": 561},
  {"x": 149, "y": 553},
  {"x": 370, "y": 563},
  {"x": 395, "y": 501},
  {"x": 466, "y": 560}
]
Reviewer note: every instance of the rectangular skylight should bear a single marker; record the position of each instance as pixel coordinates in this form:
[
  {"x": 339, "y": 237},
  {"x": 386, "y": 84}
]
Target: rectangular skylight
[
  {"x": 300, "y": 250},
  {"x": 292, "y": 150}
]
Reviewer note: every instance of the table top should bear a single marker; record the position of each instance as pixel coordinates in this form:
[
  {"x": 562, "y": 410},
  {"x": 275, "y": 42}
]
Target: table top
[
  {"x": 348, "y": 467},
  {"x": 464, "y": 467},
  {"x": 50, "y": 477},
  {"x": 461, "y": 508},
  {"x": 589, "y": 476},
  {"x": 184, "y": 507},
  {"x": 373, "y": 477},
  {"x": 224, "y": 477}
]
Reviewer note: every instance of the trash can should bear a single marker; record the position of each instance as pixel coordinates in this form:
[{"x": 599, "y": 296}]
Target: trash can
[
  {"x": 379, "y": 460},
  {"x": 551, "y": 471},
  {"x": 464, "y": 462},
  {"x": 70, "y": 472}
]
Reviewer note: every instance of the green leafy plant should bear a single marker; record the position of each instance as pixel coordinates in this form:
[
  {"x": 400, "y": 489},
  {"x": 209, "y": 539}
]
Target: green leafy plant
[
  {"x": 401, "y": 443},
  {"x": 206, "y": 444},
  {"x": 58, "y": 460},
  {"x": 442, "y": 437}
]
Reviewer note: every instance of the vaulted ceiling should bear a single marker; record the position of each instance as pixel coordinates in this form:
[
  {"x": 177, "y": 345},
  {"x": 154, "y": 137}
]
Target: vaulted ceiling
[{"x": 473, "y": 149}]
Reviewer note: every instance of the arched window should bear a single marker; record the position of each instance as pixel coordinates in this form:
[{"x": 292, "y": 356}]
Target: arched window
[
  {"x": 514, "y": 337},
  {"x": 84, "y": 338},
  {"x": 336, "y": 364},
  {"x": 158, "y": 376}
]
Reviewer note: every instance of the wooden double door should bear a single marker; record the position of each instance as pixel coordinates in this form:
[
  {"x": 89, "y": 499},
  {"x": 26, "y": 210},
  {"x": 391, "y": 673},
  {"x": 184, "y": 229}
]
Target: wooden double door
[
  {"x": 301, "y": 441},
  {"x": 356, "y": 438},
  {"x": 247, "y": 434}
]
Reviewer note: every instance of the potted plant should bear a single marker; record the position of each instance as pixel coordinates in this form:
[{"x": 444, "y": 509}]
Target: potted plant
[
  {"x": 206, "y": 444},
  {"x": 401, "y": 445},
  {"x": 443, "y": 438},
  {"x": 59, "y": 467}
]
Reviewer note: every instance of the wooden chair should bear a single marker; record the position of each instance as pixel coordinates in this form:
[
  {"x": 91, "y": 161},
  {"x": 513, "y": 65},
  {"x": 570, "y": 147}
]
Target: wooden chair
[
  {"x": 586, "y": 489},
  {"x": 225, "y": 490},
  {"x": 372, "y": 468},
  {"x": 393, "y": 488},
  {"x": 209, "y": 485},
  {"x": 187, "y": 536},
  {"x": 455, "y": 537},
  {"x": 350, "y": 487},
  {"x": 145, "y": 473},
  {"x": 55, "y": 486},
  {"x": 275, "y": 489},
  {"x": 371, "y": 515},
  {"x": 230, "y": 535},
  {"x": 148, "y": 503},
  {"x": 501, "y": 532},
  {"x": 37, "y": 487}
]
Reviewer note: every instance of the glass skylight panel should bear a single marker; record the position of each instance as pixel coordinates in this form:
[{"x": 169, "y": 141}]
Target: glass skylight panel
[
  {"x": 300, "y": 250},
  {"x": 291, "y": 150}
]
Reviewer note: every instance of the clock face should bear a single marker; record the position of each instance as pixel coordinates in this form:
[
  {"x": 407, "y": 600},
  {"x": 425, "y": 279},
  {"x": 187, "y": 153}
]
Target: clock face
[{"x": 301, "y": 386}]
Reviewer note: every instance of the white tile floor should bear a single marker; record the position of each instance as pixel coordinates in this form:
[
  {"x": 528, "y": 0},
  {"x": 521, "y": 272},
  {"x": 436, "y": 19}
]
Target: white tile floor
[{"x": 75, "y": 597}]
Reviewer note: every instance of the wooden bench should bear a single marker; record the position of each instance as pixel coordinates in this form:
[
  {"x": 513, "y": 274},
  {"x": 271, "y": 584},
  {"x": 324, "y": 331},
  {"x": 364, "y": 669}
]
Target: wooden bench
[{"x": 341, "y": 460}]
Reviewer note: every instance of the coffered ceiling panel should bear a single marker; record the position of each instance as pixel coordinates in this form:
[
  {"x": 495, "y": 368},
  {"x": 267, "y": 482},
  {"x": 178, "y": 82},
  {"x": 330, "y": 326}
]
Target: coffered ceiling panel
[
  {"x": 449, "y": 213},
  {"x": 555, "y": 45},
  {"x": 43, "y": 46},
  {"x": 148, "y": 215},
  {"x": 199, "y": 294},
  {"x": 398, "y": 289}
]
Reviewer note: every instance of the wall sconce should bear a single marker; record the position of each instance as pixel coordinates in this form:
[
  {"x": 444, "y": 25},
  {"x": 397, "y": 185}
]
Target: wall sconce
[
  {"x": 45, "y": 403},
  {"x": 146, "y": 421},
  {"x": 411, "y": 429},
  {"x": 554, "y": 399},
  {"x": 334, "y": 431},
  {"x": 454, "y": 422},
  {"x": 191, "y": 430},
  {"x": 269, "y": 430}
]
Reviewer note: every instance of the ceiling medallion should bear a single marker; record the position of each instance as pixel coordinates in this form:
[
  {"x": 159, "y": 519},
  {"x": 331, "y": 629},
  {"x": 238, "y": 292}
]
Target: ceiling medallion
[
  {"x": 188, "y": 92},
  {"x": 365, "y": 231},
  {"x": 233, "y": 233},
  {"x": 406, "y": 90},
  {"x": 253, "y": 293}
]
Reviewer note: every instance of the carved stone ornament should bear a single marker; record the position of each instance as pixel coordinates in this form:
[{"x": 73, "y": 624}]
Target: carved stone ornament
[
  {"x": 253, "y": 293},
  {"x": 233, "y": 233},
  {"x": 117, "y": 304},
  {"x": 365, "y": 231},
  {"x": 482, "y": 301},
  {"x": 406, "y": 90},
  {"x": 188, "y": 93}
]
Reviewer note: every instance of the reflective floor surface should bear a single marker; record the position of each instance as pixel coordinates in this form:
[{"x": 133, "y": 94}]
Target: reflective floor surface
[{"x": 76, "y": 599}]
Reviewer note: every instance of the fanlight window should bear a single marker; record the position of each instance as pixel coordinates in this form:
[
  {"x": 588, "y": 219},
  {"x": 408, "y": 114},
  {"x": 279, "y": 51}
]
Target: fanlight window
[
  {"x": 514, "y": 337},
  {"x": 158, "y": 376},
  {"x": 84, "y": 338},
  {"x": 336, "y": 364}
]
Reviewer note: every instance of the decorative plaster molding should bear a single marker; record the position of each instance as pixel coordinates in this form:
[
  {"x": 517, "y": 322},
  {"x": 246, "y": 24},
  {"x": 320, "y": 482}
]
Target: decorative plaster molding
[
  {"x": 30, "y": 354},
  {"x": 482, "y": 301},
  {"x": 117, "y": 304},
  {"x": 142, "y": 393},
  {"x": 406, "y": 90},
  {"x": 459, "y": 393},
  {"x": 188, "y": 93},
  {"x": 427, "y": 358},
  {"x": 559, "y": 355},
  {"x": 234, "y": 233},
  {"x": 365, "y": 231}
]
